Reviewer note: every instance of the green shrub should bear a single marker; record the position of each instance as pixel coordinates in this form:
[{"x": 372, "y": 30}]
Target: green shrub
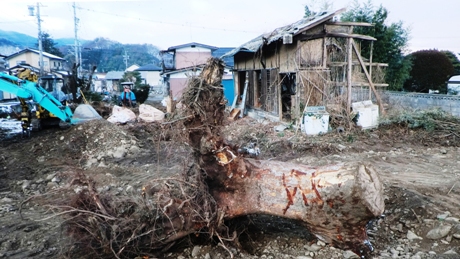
[
  {"x": 142, "y": 92},
  {"x": 429, "y": 120},
  {"x": 93, "y": 96}
]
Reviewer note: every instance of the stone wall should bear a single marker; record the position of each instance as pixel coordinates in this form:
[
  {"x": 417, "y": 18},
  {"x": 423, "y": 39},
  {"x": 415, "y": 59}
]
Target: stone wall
[{"x": 422, "y": 101}]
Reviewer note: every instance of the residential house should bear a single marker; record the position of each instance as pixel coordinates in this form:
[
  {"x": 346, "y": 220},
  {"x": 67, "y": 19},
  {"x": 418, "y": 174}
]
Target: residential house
[
  {"x": 2, "y": 63},
  {"x": 112, "y": 79},
  {"x": 132, "y": 68},
  {"x": 2, "y": 69},
  {"x": 150, "y": 74},
  {"x": 51, "y": 63},
  {"x": 183, "y": 61},
  {"x": 99, "y": 84},
  {"x": 315, "y": 61}
]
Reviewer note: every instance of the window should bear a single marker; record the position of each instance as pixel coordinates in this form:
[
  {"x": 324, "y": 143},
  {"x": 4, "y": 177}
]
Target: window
[{"x": 45, "y": 63}]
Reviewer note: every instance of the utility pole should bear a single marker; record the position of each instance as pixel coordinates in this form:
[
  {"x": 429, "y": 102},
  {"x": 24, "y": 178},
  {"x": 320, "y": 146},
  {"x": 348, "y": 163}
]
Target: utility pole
[
  {"x": 40, "y": 46},
  {"x": 125, "y": 59},
  {"x": 76, "y": 42}
]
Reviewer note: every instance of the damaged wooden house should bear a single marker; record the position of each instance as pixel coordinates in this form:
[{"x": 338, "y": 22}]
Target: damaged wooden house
[{"x": 315, "y": 61}]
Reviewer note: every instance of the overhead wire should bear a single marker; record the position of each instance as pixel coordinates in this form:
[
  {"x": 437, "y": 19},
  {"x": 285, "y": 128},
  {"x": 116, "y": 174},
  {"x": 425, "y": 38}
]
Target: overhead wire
[
  {"x": 187, "y": 25},
  {"x": 15, "y": 21}
]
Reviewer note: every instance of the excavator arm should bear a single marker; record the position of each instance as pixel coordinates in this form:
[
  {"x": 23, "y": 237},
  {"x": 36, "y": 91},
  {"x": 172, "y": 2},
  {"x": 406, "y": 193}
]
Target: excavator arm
[{"x": 30, "y": 90}]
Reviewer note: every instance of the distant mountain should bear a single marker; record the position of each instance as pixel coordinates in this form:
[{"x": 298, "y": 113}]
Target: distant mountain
[
  {"x": 105, "y": 54},
  {"x": 18, "y": 39},
  {"x": 108, "y": 55},
  {"x": 67, "y": 41},
  {"x": 22, "y": 40}
]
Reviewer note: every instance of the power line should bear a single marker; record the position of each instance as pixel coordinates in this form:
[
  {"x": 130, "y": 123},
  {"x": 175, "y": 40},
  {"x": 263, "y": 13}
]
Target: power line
[
  {"x": 16, "y": 21},
  {"x": 167, "y": 23}
]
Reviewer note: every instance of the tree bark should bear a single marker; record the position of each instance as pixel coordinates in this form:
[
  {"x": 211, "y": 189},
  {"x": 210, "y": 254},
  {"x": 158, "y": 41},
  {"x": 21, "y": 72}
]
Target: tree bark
[{"x": 335, "y": 202}]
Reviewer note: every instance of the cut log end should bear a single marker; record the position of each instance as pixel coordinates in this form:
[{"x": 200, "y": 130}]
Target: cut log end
[{"x": 335, "y": 202}]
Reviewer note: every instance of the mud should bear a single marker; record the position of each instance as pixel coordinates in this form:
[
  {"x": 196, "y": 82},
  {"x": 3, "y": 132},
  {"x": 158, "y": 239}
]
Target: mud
[{"x": 420, "y": 171}]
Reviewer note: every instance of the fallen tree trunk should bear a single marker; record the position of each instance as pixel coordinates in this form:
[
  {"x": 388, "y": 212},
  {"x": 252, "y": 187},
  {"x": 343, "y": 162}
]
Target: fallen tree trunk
[{"x": 335, "y": 202}]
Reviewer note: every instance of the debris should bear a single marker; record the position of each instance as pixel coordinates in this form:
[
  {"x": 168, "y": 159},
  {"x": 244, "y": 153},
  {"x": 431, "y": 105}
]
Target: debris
[
  {"x": 148, "y": 113},
  {"x": 251, "y": 149},
  {"x": 85, "y": 112},
  {"x": 234, "y": 114},
  {"x": 412, "y": 236},
  {"x": 280, "y": 128},
  {"x": 439, "y": 232},
  {"x": 121, "y": 115}
]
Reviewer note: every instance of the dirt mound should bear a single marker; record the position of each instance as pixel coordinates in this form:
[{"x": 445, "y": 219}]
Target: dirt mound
[{"x": 418, "y": 167}]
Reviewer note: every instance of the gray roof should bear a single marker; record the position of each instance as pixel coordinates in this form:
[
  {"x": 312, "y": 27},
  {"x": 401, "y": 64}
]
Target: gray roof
[
  {"x": 46, "y": 54},
  {"x": 294, "y": 29},
  {"x": 114, "y": 75},
  {"x": 191, "y": 44},
  {"x": 149, "y": 67}
]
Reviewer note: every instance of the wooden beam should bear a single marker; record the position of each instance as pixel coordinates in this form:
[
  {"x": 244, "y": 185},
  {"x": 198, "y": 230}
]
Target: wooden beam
[
  {"x": 306, "y": 37},
  {"x": 377, "y": 96},
  {"x": 356, "y": 84},
  {"x": 365, "y": 24},
  {"x": 339, "y": 64}
]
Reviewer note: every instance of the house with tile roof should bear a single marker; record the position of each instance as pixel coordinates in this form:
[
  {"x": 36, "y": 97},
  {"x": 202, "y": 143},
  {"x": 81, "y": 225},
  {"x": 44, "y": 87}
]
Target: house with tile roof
[
  {"x": 51, "y": 63},
  {"x": 150, "y": 74},
  {"x": 183, "y": 61},
  {"x": 112, "y": 79}
]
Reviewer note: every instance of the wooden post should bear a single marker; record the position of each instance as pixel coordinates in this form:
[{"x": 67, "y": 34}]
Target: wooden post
[
  {"x": 245, "y": 92},
  {"x": 324, "y": 53},
  {"x": 370, "y": 67},
  {"x": 377, "y": 96},
  {"x": 349, "y": 72}
]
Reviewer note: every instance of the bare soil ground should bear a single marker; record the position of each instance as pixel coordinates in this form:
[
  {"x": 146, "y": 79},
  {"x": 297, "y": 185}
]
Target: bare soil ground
[{"x": 420, "y": 171}]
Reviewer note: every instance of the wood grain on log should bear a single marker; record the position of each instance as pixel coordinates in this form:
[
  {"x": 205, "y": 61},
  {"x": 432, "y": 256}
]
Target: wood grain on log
[{"x": 336, "y": 202}]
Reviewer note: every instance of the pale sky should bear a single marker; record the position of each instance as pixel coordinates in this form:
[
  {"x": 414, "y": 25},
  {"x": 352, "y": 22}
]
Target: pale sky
[{"x": 218, "y": 23}]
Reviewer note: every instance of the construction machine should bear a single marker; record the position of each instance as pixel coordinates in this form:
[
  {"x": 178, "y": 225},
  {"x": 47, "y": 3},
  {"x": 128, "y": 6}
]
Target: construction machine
[{"x": 39, "y": 106}]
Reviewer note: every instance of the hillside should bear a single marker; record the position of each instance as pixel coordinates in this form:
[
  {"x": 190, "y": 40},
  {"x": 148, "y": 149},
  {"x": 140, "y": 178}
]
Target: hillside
[
  {"x": 17, "y": 39},
  {"x": 105, "y": 54}
]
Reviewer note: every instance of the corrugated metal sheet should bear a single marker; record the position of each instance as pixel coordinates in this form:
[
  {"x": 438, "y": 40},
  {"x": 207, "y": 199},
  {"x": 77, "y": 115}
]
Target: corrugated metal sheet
[
  {"x": 293, "y": 29},
  {"x": 114, "y": 75}
]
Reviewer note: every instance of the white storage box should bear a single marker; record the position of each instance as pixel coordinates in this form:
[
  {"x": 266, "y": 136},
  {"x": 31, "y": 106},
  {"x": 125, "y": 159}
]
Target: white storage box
[
  {"x": 368, "y": 114},
  {"x": 315, "y": 120}
]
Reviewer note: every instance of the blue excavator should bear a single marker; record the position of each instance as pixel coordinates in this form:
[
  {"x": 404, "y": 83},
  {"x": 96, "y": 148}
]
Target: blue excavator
[{"x": 39, "y": 105}]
